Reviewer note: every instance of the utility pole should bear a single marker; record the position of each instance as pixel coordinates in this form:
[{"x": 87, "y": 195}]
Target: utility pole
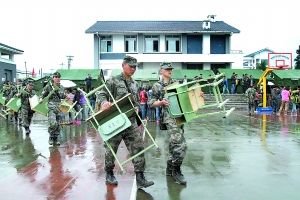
[
  {"x": 70, "y": 58},
  {"x": 25, "y": 69}
]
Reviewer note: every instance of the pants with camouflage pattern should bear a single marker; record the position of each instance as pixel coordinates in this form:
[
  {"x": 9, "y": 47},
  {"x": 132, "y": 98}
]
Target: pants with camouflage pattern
[
  {"x": 53, "y": 120},
  {"x": 134, "y": 143},
  {"x": 27, "y": 115},
  {"x": 177, "y": 143}
]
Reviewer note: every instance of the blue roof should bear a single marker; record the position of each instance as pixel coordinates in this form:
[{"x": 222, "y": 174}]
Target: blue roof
[
  {"x": 104, "y": 27},
  {"x": 258, "y": 52}
]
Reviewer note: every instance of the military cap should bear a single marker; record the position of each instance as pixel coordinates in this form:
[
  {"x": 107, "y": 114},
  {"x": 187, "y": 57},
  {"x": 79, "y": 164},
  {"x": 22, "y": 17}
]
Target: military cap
[
  {"x": 130, "y": 60},
  {"x": 56, "y": 74},
  {"x": 30, "y": 82},
  {"x": 166, "y": 65}
]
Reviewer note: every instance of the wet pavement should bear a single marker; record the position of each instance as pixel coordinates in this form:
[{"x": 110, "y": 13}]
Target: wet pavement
[{"x": 240, "y": 157}]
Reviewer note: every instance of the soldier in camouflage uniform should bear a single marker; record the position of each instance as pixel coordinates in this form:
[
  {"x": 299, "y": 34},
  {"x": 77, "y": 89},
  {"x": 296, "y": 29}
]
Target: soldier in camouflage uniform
[
  {"x": 250, "y": 94},
  {"x": 26, "y": 111},
  {"x": 14, "y": 91},
  {"x": 177, "y": 143},
  {"x": 119, "y": 86},
  {"x": 6, "y": 93},
  {"x": 56, "y": 93}
]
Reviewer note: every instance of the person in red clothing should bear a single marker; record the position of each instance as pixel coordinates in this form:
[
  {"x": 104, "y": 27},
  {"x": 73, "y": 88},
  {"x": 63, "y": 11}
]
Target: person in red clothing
[{"x": 143, "y": 102}]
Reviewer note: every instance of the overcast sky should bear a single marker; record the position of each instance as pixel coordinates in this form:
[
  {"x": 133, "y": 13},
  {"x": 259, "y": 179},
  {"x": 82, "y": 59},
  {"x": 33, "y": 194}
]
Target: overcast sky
[{"x": 48, "y": 31}]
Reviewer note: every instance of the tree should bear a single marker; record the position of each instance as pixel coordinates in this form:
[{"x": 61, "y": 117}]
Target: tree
[
  {"x": 262, "y": 65},
  {"x": 297, "y": 59}
]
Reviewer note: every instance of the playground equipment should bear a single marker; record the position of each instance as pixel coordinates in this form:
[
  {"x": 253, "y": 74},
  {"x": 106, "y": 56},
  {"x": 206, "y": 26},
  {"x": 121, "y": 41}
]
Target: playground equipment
[
  {"x": 110, "y": 123},
  {"x": 276, "y": 61},
  {"x": 187, "y": 100}
]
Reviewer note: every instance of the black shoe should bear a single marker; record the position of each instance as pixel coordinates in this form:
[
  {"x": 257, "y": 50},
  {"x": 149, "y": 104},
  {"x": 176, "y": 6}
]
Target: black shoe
[
  {"x": 141, "y": 182},
  {"x": 27, "y": 131},
  {"x": 178, "y": 176},
  {"x": 56, "y": 141},
  {"x": 110, "y": 178}
]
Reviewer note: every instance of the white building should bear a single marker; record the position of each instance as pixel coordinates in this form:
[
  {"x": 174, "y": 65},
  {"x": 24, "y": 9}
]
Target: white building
[
  {"x": 255, "y": 58},
  {"x": 187, "y": 44},
  {"x": 7, "y": 62}
]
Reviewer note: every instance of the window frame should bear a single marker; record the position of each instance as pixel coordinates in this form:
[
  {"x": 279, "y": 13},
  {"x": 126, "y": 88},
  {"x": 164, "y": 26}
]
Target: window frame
[
  {"x": 127, "y": 39},
  {"x": 153, "y": 38},
  {"x": 177, "y": 43},
  {"x": 104, "y": 40}
]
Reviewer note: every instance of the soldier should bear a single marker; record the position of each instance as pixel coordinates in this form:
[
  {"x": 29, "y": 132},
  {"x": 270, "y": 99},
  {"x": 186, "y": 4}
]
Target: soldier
[
  {"x": 177, "y": 143},
  {"x": 15, "y": 89},
  {"x": 250, "y": 94},
  {"x": 119, "y": 86},
  {"x": 26, "y": 111},
  {"x": 56, "y": 93},
  {"x": 6, "y": 93}
]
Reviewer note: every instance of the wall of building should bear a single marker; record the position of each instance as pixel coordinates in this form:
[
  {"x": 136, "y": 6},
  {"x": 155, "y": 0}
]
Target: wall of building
[{"x": 7, "y": 71}]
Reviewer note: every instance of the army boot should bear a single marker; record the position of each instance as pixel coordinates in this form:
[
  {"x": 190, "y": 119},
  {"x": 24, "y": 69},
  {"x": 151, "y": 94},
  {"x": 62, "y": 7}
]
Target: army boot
[
  {"x": 27, "y": 130},
  {"x": 110, "y": 178},
  {"x": 56, "y": 141},
  {"x": 178, "y": 176},
  {"x": 51, "y": 140},
  {"x": 141, "y": 182},
  {"x": 169, "y": 169}
]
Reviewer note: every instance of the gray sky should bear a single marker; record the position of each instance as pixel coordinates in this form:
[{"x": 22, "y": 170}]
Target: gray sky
[{"x": 48, "y": 31}]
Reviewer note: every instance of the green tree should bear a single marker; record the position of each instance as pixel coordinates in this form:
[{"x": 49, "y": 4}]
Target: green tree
[
  {"x": 297, "y": 59},
  {"x": 262, "y": 65}
]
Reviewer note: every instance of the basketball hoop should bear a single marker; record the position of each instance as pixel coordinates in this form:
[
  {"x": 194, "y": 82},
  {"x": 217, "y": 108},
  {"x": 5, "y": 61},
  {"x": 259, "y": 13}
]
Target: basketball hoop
[{"x": 279, "y": 67}]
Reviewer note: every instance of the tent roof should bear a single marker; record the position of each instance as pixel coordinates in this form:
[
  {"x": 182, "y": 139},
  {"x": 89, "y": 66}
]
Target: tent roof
[
  {"x": 287, "y": 74},
  {"x": 191, "y": 73},
  {"x": 78, "y": 74},
  {"x": 256, "y": 73}
]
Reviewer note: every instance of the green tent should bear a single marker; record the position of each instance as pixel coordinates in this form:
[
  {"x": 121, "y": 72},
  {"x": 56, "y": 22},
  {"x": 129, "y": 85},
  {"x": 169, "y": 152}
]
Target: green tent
[{"x": 287, "y": 77}]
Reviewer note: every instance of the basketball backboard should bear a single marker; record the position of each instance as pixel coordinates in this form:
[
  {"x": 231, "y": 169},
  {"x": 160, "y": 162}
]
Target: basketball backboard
[{"x": 280, "y": 60}]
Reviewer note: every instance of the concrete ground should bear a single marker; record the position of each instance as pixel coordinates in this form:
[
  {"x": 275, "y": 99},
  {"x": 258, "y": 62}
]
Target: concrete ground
[{"x": 240, "y": 157}]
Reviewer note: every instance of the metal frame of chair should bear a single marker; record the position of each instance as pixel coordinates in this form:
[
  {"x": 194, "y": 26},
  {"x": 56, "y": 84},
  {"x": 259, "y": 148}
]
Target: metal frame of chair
[
  {"x": 185, "y": 109},
  {"x": 124, "y": 111}
]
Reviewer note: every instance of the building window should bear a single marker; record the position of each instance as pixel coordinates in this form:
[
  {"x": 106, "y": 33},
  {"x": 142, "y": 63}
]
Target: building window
[
  {"x": 130, "y": 43},
  {"x": 173, "y": 43},
  {"x": 151, "y": 43},
  {"x": 105, "y": 44}
]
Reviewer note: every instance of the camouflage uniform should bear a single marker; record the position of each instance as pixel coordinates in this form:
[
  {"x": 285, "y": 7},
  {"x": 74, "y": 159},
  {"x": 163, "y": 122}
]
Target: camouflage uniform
[
  {"x": 26, "y": 111},
  {"x": 119, "y": 87},
  {"x": 14, "y": 91},
  {"x": 53, "y": 106},
  {"x": 250, "y": 94},
  {"x": 177, "y": 143},
  {"x": 7, "y": 94},
  {"x": 131, "y": 135}
]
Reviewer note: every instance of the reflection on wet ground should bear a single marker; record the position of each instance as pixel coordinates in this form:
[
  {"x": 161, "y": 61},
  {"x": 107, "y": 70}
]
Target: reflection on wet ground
[{"x": 240, "y": 157}]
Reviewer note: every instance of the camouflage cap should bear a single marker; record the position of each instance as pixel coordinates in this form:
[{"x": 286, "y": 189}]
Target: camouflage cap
[
  {"x": 130, "y": 60},
  {"x": 29, "y": 82},
  {"x": 56, "y": 74},
  {"x": 166, "y": 65}
]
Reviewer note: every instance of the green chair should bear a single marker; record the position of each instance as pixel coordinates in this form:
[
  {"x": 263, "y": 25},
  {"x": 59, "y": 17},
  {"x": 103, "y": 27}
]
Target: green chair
[
  {"x": 110, "y": 123},
  {"x": 13, "y": 104},
  {"x": 187, "y": 100},
  {"x": 2, "y": 99}
]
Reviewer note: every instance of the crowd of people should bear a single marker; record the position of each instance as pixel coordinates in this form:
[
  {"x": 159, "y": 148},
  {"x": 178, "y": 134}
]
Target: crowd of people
[{"x": 151, "y": 103}]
